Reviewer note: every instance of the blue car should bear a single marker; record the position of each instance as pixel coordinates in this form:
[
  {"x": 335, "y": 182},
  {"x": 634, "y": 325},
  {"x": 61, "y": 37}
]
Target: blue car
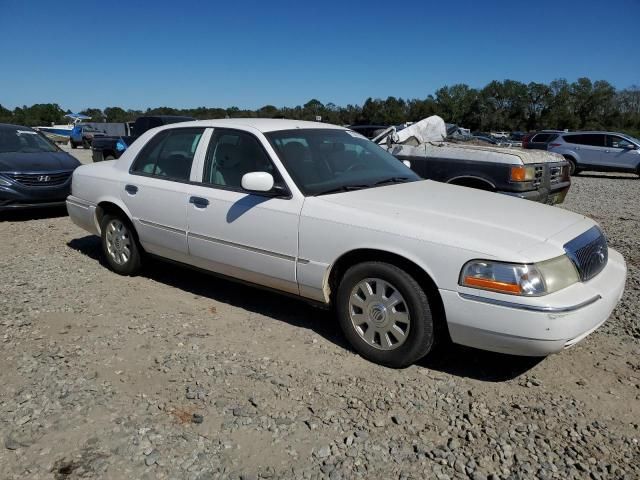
[
  {"x": 34, "y": 172},
  {"x": 83, "y": 135}
]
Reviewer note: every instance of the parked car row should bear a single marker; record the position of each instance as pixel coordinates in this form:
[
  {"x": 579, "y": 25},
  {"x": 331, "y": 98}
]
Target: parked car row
[{"x": 320, "y": 212}]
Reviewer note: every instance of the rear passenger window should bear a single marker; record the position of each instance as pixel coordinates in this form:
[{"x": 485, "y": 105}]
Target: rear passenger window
[
  {"x": 541, "y": 138},
  {"x": 575, "y": 139},
  {"x": 169, "y": 154},
  {"x": 594, "y": 140}
]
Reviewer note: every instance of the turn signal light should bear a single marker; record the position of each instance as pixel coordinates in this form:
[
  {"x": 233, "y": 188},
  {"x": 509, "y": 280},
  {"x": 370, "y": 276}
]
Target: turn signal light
[
  {"x": 494, "y": 285},
  {"x": 522, "y": 174}
]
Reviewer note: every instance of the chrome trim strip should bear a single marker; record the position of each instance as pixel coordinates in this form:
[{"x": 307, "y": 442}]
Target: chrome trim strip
[
  {"x": 79, "y": 204},
  {"x": 244, "y": 247},
  {"x": 530, "y": 308},
  {"x": 164, "y": 227}
]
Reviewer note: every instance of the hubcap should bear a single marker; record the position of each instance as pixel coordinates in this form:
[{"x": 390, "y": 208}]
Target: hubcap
[
  {"x": 118, "y": 241},
  {"x": 379, "y": 314}
]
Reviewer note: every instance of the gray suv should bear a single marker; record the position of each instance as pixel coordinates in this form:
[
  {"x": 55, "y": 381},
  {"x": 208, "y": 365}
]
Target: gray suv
[{"x": 598, "y": 151}]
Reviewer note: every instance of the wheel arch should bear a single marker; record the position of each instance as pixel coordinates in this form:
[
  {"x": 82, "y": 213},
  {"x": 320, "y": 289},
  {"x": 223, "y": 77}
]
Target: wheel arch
[
  {"x": 110, "y": 205},
  {"x": 473, "y": 181},
  {"x": 420, "y": 274}
]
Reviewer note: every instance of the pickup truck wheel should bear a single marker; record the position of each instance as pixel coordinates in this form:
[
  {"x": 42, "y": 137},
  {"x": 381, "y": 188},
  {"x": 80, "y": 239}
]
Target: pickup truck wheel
[
  {"x": 72, "y": 143},
  {"x": 120, "y": 245},
  {"x": 385, "y": 314},
  {"x": 85, "y": 144}
]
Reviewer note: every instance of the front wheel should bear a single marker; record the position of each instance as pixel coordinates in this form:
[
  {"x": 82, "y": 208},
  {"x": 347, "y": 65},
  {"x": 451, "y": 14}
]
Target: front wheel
[
  {"x": 385, "y": 314},
  {"x": 73, "y": 144},
  {"x": 120, "y": 245}
]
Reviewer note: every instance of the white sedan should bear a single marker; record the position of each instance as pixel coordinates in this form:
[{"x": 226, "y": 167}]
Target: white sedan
[{"x": 319, "y": 212}]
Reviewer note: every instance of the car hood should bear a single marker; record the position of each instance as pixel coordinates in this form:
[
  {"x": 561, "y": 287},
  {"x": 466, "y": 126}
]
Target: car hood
[
  {"x": 37, "y": 162},
  {"x": 490, "y": 224},
  {"x": 478, "y": 153}
]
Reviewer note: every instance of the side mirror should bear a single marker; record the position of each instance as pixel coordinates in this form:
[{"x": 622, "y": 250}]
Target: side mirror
[
  {"x": 629, "y": 146},
  {"x": 257, "y": 182},
  {"x": 407, "y": 163}
]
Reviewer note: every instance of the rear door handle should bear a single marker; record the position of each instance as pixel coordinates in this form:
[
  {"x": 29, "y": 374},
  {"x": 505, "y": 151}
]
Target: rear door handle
[
  {"x": 199, "y": 202},
  {"x": 131, "y": 189}
]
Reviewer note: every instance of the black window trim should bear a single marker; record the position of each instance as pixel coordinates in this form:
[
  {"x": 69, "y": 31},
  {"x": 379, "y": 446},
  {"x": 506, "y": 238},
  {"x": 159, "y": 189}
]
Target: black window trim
[
  {"x": 163, "y": 177},
  {"x": 285, "y": 194}
]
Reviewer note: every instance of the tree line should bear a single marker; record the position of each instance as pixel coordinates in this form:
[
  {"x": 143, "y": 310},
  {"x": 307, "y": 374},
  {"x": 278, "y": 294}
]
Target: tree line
[{"x": 500, "y": 105}]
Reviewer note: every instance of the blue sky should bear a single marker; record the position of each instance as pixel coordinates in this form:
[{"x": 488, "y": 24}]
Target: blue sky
[{"x": 248, "y": 54}]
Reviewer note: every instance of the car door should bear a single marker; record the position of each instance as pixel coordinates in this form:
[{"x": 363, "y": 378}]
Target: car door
[
  {"x": 620, "y": 153},
  {"x": 157, "y": 190},
  {"x": 253, "y": 237}
]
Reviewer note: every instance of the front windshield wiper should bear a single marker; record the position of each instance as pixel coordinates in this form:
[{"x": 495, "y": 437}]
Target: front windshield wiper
[
  {"x": 343, "y": 188},
  {"x": 393, "y": 180}
]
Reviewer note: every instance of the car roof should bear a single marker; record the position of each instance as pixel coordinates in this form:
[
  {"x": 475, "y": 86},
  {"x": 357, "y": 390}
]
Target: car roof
[
  {"x": 599, "y": 132},
  {"x": 262, "y": 124}
]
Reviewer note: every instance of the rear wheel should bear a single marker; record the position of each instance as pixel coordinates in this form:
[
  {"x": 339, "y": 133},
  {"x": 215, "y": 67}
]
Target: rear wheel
[
  {"x": 73, "y": 144},
  {"x": 85, "y": 144},
  {"x": 120, "y": 244},
  {"x": 385, "y": 314}
]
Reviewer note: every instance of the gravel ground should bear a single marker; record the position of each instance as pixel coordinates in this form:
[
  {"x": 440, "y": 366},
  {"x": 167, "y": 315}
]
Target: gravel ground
[{"x": 175, "y": 374}]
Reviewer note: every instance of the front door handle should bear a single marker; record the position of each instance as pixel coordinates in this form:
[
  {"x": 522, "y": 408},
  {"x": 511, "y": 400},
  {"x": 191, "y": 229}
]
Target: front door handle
[
  {"x": 131, "y": 189},
  {"x": 199, "y": 202}
]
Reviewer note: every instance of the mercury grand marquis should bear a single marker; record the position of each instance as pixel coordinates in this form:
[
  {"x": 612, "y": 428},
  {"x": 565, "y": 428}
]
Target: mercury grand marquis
[{"x": 320, "y": 212}]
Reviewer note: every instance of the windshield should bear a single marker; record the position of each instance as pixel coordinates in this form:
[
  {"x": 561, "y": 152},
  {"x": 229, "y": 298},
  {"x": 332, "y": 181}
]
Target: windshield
[
  {"x": 23, "y": 140},
  {"x": 323, "y": 161}
]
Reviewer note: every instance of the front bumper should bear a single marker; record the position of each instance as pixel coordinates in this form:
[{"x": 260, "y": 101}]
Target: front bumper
[
  {"x": 552, "y": 196},
  {"x": 534, "y": 326},
  {"x": 19, "y": 197}
]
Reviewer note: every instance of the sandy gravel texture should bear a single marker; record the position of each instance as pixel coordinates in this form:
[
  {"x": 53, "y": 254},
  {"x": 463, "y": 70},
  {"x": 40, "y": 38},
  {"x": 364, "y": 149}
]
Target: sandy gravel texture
[{"x": 176, "y": 374}]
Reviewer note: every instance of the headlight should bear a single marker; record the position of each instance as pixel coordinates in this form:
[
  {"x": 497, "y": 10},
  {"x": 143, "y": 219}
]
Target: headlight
[
  {"x": 522, "y": 174},
  {"x": 4, "y": 183},
  {"x": 520, "y": 279}
]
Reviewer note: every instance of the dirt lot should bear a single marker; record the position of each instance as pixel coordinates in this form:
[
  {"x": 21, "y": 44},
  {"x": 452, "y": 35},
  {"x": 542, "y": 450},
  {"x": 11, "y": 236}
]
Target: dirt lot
[{"x": 176, "y": 374}]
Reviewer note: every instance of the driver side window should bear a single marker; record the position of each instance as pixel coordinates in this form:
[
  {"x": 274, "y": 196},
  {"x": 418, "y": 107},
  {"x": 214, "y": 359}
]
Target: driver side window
[
  {"x": 232, "y": 154},
  {"x": 617, "y": 142}
]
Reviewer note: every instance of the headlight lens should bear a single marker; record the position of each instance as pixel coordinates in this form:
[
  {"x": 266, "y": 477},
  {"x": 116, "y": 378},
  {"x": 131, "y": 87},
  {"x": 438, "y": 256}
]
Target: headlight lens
[
  {"x": 520, "y": 279},
  {"x": 523, "y": 174},
  {"x": 4, "y": 183}
]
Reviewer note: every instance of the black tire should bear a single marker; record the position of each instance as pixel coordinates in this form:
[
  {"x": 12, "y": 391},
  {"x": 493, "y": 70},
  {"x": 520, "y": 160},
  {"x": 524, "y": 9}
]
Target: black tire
[
  {"x": 420, "y": 336},
  {"x": 73, "y": 144},
  {"x": 573, "y": 166},
  {"x": 111, "y": 247},
  {"x": 85, "y": 144}
]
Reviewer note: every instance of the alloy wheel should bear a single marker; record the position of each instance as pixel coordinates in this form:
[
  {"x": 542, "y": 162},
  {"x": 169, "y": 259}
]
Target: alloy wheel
[{"x": 379, "y": 314}]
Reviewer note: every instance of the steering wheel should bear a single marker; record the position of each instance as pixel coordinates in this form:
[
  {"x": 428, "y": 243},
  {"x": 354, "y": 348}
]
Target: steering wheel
[{"x": 356, "y": 166}]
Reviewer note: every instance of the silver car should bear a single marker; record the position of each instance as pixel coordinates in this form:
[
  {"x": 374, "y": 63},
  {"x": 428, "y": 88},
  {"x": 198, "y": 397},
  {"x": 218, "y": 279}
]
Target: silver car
[{"x": 598, "y": 151}]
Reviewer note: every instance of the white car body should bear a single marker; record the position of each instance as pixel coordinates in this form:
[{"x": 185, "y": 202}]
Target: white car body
[{"x": 292, "y": 244}]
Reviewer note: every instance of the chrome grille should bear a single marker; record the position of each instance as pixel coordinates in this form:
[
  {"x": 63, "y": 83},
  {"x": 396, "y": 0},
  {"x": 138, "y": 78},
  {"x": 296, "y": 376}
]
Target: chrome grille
[
  {"x": 588, "y": 252},
  {"x": 539, "y": 169},
  {"x": 555, "y": 174},
  {"x": 45, "y": 179}
]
